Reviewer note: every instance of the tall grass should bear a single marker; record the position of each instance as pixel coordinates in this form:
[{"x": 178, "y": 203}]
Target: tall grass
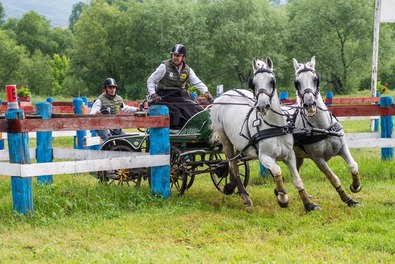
[{"x": 78, "y": 220}]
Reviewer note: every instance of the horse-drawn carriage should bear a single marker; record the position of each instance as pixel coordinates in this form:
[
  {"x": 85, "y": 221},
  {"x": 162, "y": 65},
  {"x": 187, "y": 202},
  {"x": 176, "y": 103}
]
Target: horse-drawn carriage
[
  {"x": 252, "y": 125},
  {"x": 191, "y": 153}
]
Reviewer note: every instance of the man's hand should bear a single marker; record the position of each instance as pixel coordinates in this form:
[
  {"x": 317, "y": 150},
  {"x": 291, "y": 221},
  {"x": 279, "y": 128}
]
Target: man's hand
[
  {"x": 155, "y": 98},
  {"x": 208, "y": 96}
]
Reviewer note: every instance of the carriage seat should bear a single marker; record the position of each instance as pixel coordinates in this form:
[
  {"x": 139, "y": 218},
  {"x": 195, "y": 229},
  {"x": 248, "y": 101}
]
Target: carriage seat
[{"x": 196, "y": 126}]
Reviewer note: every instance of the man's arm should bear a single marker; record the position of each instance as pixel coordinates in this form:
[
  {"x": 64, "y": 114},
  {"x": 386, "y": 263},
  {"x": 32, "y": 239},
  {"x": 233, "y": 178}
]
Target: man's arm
[
  {"x": 96, "y": 107},
  {"x": 155, "y": 77}
]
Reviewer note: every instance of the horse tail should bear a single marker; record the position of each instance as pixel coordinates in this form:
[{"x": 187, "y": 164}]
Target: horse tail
[{"x": 215, "y": 139}]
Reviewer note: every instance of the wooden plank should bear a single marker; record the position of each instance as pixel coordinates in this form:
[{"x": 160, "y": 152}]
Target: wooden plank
[
  {"x": 83, "y": 123},
  {"x": 82, "y": 154},
  {"x": 370, "y": 143},
  {"x": 362, "y": 110},
  {"x": 351, "y": 118},
  {"x": 71, "y": 167}
]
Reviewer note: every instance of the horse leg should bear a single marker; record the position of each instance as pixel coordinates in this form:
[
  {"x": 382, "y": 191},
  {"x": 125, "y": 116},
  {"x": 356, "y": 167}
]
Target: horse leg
[
  {"x": 356, "y": 185},
  {"x": 299, "y": 163},
  {"x": 298, "y": 183},
  {"x": 335, "y": 181},
  {"x": 279, "y": 191},
  {"x": 234, "y": 169}
]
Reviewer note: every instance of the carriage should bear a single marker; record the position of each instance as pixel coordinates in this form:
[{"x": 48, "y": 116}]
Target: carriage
[
  {"x": 252, "y": 125},
  {"x": 191, "y": 153}
]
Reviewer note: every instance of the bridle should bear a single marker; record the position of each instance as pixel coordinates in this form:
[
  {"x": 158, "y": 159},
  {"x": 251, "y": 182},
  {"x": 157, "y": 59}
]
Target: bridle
[
  {"x": 262, "y": 90},
  {"x": 308, "y": 90}
]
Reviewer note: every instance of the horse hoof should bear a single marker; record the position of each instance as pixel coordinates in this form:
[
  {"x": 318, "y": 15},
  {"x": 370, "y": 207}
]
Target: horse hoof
[
  {"x": 229, "y": 188},
  {"x": 355, "y": 189},
  {"x": 282, "y": 198},
  {"x": 247, "y": 201},
  {"x": 283, "y": 204},
  {"x": 352, "y": 203},
  {"x": 312, "y": 207}
]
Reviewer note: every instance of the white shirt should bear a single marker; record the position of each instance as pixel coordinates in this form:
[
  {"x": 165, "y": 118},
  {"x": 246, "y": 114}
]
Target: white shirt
[
  {"x": 158, "y": 74},
  {"x": 125, "y": 108}
]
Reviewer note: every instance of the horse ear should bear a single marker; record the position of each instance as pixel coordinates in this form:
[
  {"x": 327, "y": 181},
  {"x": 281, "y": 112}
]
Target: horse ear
[
  {"x": 254, "y": 64},
  {"x": 269, "y": 63},
  {"x": 296, "y": 64},
  {"x": 312, "y": 62}
]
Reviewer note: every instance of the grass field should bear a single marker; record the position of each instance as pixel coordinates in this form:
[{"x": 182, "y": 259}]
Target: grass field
[{"x": 77, "y": 220}]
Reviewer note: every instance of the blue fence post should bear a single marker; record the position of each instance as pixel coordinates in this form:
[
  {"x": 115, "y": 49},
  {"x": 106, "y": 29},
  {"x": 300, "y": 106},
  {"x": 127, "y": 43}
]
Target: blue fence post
[
  {"x": 329, "y": 96},
  {"x": 18, "y": 145},
  {"x": 283, "y": 96},
  {"x": 387, "y": 126},
  {"x": 263, "y": 172},
  {"x": 160, "y": 144},
  {"x": 50, "y": 100},
  {"x": 1, "y": 134},
  {"x": 44, "y": 141},
  {"x": 78, "y": 104}
]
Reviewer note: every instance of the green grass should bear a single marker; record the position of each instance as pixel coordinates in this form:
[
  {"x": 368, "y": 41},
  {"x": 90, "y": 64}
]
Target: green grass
[{"x": 78, "y": 220}]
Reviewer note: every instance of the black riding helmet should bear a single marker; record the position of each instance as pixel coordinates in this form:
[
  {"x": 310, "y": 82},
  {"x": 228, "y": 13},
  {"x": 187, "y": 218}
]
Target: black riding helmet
[
  {"x": 109, "y": 82},
  {"x": 179, "y": 49}
]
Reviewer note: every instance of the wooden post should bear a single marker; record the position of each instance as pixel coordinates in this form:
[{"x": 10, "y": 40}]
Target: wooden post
[
  {"x": 18, "y": 145},
  {"x": 329, "y": 97},
  {"x": 387, "y": 126},
  {"x": 283, "y": 96},
  {"x": 263, "y": 171},
  {"x": 44, "y": 142},
  {"x": 1, "y": 134},
  {"x": 93, "y": 133},
  {"x": 376, "y": 121},
  {"x": 79, "y": 139},
  {"x": 160, "y": 144}
]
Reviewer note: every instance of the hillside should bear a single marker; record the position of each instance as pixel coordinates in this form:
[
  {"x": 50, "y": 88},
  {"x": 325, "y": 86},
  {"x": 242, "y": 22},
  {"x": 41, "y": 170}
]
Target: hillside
[{"x": 57, "y": 12}]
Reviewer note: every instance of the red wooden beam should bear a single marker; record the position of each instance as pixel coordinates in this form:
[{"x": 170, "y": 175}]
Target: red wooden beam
[
  {"x": 362, "y": 110},
  {"x": 83, "y": 123}
]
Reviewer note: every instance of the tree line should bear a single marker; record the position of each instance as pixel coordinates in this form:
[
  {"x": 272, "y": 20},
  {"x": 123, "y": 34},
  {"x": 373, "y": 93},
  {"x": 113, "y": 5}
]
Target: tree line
[{"x": 127, "y": 39}]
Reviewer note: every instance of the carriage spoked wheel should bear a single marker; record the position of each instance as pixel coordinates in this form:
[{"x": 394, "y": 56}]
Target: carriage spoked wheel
[
  {"x": 181, "y": 174},
  {"x": 129, "y": 177},
  {"x": 221, "y": 176}
]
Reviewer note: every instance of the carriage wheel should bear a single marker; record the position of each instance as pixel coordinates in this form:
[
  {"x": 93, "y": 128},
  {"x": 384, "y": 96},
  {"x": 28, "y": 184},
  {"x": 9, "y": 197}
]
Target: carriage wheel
[
  {"x": 130, "y": 177},
  {"x": 221, "y": 176},
  {"x": 181, "y": 175}
]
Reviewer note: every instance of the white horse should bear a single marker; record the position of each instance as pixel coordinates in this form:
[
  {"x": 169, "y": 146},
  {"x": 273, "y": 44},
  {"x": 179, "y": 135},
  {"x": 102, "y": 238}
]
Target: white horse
[
  {"x": 320, "y": 136},
  {"x": 253, "y": 124}
]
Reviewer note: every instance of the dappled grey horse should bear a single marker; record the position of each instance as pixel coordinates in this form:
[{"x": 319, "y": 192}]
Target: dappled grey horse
[
  {"x": 253, "y": 125},
  {"x": 318, "y": 134}
]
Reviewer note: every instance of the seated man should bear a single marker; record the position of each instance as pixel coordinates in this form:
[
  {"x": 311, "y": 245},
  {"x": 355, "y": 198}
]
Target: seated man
[
  {"x": 166, "y": 85},
  {"x": 110, "y": 103}
]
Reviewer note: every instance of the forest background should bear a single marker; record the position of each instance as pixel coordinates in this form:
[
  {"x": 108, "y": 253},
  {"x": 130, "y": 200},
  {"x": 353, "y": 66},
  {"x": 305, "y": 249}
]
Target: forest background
[{"x": 127, "y": 40}]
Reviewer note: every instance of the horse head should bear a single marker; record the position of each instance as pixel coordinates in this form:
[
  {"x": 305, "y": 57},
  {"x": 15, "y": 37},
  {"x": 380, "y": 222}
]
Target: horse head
[
  {"x": 307, "y": 85},
  {"x": 263, "y": 84}
]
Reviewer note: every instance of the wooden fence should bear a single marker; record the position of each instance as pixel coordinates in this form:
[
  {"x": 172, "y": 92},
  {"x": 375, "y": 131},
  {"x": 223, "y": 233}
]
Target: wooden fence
[{"x": 17, "y": 125}]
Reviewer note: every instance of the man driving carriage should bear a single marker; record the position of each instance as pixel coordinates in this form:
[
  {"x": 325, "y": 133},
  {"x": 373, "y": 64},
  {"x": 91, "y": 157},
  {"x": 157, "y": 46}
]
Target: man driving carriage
[
  {"x": 110, "y": 103},
  {"x": 167, "y": 85}
]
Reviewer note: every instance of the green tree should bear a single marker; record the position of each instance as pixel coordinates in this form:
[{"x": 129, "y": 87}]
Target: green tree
[
  {"x": 101, "y": 48},
  {"x": 12, "y": 57},
  {"x": 33, "y": 31},
  {"x": 76, "y": 12},
  {"x": 2, "y": 14},
  {"x": 36, "y": 72},
  {"x": 59, "y": 67},
  {"x": 238, "y": 31},
  {"x": 339, "y": 33}
]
